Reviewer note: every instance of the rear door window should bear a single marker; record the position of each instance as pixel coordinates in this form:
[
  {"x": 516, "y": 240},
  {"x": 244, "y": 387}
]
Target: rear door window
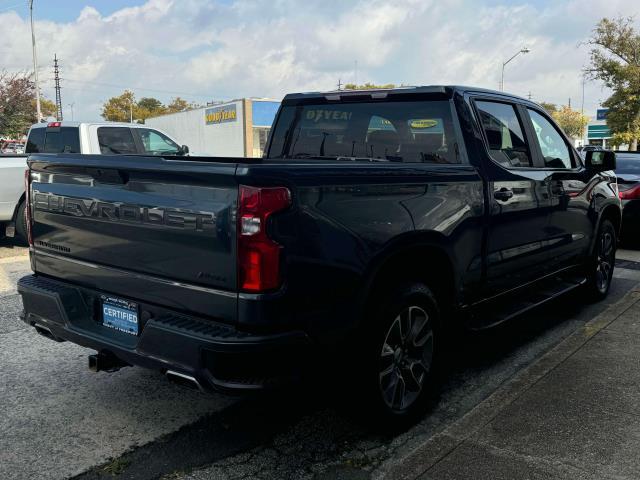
[
  {"x": 504, "y": 132},
  {"x": 116, "y": 141},
  {"x": 35, "y": 142}
]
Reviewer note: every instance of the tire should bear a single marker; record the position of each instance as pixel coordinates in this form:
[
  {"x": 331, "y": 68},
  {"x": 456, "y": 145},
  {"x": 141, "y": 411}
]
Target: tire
[
  {"x": 21, "y": 224},
  {"x": 401, "y": 354},
  {"x": 600, "y": 267}
]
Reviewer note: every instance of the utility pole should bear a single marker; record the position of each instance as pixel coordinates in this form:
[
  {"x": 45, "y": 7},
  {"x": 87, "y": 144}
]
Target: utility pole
[
  {"x": 339, "y": 85},
  {"x": 71, "y": 106},
  {"x": 529, "y": 96},
  {"x": 35, "y": 66},
  {"x": 56, "y": 76}
]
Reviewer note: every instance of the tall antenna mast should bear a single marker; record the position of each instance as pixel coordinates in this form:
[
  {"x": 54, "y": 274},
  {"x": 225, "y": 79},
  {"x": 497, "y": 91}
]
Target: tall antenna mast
[{"x": 56, "y": 76}]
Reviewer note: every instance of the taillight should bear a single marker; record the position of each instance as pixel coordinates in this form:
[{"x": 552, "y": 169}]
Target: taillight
[
  {"x": 27, "y": 205},
  {"x": 632, "y": 193},
  {"x": 53, "y": 124},
  {"x": 259, "y": 255}
]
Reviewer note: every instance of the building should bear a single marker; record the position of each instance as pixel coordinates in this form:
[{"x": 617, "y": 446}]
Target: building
[
  {"x": 234, "y": 129},
  {"x": 598, "y": 132}
]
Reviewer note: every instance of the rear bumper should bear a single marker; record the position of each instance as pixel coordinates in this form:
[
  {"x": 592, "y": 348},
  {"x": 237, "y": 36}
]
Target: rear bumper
[{"x": 218, "y": 356}]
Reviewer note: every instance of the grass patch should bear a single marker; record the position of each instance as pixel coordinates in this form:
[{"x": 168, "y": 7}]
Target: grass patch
[{"x": 116, "y": 466}]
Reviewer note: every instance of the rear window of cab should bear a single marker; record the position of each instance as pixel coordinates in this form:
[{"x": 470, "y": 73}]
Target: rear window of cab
[{"x": 409, "y": 132}]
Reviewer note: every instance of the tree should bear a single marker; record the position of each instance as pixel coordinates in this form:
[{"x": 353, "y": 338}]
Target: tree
[
  {"x": 121, "y": 108},
  {"x": 47, "y": 107},
  {"x": 550, "y": 108},
  {"x": 179, "y": 105},
  {"x": 148, "y": 107},
  {"x": 367, "y": 86},
  {"x": 18, "y": 105},
  {"x": 570, "y": 121},
  {"x": 615, "y": 60}
]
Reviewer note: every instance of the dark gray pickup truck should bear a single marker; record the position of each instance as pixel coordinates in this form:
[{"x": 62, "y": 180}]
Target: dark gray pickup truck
[{"x": 376, "y": 220}]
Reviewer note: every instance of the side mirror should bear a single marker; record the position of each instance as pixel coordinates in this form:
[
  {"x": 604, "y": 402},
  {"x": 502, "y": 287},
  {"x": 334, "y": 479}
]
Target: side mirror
[
  {"x": 184, "y": 150},
  {"x": 600, "y": 160}
]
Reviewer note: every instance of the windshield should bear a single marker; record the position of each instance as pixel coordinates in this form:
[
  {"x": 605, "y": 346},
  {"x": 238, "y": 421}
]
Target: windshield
[
  {"x": 375, "y": 131},
  {"x": 629, "y": 164}
]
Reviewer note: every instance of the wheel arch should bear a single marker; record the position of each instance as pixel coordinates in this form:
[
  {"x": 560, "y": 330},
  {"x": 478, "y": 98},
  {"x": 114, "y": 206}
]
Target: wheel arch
[
  {"x": 421, "y": 258},
  {"x": 17, "y": 207}
]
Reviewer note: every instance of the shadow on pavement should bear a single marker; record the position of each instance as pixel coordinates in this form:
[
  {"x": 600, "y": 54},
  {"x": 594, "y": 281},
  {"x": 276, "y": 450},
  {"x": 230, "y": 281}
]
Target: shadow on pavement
[{"x": 305, "y": 431}]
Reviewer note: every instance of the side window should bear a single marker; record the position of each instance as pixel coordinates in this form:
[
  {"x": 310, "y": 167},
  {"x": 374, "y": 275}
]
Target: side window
[
  {"x": 504, "y": 133},
  {"x": 155, "y": 143},
  {"x": 554, "y": 149},
  {"x": 116, "y": 141},
  {"x": 35, "y": 142}
]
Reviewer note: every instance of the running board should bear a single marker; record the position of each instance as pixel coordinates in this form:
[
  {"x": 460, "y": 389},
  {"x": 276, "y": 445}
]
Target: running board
[{"x": 491, "y": 314}]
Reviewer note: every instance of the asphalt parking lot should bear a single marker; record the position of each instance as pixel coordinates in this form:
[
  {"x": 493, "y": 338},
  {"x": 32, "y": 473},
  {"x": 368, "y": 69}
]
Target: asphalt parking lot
[{"x": 60, "y": 420}]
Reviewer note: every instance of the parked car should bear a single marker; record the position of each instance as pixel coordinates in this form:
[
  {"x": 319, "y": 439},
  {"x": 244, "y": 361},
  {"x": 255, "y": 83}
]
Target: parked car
[
  {"x": 12, "y": 147},
  {"x": 628, "y": 172},
  {"x": 376, "y": 221},
  {"x": 104, "y": 138},
  {"x": 12, "y": 205}
]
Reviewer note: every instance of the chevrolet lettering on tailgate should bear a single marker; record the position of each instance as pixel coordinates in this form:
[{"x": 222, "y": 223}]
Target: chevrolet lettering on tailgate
[{"x": 122, "y": 212}]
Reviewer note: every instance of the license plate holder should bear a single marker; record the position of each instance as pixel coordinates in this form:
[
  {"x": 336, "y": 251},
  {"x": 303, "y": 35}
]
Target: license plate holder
[{"x": 120, "y": 314}]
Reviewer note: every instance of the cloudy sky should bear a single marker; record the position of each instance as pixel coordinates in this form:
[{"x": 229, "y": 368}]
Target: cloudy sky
[{"x": 206, "y": 50}]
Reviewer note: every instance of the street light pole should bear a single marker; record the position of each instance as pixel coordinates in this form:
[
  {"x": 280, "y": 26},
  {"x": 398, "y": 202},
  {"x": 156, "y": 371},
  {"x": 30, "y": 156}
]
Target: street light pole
[
  {"x": 35, "y": 65},
  {"x": 523, "y": 50},
  {"x": 71, "y": 106}
]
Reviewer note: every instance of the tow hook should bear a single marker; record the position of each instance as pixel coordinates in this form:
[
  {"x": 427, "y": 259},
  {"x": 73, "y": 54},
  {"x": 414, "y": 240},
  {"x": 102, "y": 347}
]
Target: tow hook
[{"x": 105, "y": 362}]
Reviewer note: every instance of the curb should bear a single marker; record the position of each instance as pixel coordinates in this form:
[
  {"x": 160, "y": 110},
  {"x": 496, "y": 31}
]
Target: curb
[{"x": 422, "y": 458}]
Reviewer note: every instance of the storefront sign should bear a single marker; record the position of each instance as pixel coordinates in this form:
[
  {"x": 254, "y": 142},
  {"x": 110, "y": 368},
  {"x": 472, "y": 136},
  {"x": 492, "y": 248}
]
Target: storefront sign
[{"x": 224, "y": 114}]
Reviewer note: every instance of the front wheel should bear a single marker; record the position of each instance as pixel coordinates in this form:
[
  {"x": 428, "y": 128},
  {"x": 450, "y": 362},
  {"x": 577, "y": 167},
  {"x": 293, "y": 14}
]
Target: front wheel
[
  {"x": 402, "y": 353},
  {"x": 600, "y": 268}
]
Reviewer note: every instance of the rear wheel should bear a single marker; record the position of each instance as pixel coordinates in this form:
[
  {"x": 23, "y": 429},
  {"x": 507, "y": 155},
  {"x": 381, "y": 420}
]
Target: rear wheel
[
  {"x": 21, "y": 223},
  {"x": 402, "y": 354},
  {"x": 602, "y": 264}
]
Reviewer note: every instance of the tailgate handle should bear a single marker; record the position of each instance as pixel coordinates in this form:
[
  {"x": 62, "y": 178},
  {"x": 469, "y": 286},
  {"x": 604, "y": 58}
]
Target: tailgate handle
[{"x": 108, "y": 175}]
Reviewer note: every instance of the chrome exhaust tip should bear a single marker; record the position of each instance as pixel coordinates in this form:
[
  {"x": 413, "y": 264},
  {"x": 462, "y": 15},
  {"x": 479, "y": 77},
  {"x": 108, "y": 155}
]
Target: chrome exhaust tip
[{"x": 183, "y": 380}]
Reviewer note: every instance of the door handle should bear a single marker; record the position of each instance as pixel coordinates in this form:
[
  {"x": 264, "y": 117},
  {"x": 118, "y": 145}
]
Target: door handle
[{"x": 503, "y": 194}]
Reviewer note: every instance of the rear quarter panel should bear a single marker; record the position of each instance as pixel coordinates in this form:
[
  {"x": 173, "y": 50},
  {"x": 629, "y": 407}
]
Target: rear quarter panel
[{"x": 347, "y": 218}]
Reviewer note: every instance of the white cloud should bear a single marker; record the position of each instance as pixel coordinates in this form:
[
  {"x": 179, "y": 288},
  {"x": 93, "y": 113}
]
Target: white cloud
[{"x": 217, "y": 50}]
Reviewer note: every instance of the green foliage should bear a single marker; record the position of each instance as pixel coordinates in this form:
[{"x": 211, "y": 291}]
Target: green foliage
[
  {"x": 572, "y": 122},
  {"x": 18, "y": 104},
  {"x": 615, "y": 60},
  {"x": 550, "y": 108},
  {"x": 368, "y": 86},
  {"x": 121, "y": 107}
]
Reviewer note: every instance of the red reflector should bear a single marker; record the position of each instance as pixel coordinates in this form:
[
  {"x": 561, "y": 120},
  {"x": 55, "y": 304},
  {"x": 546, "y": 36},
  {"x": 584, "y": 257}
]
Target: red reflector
[
  {"x": 259, "y": 255},
  {"x": 632, "y": 193},
  {"x": 27, "y": 205},
  {"x": 53, "y": 124}
]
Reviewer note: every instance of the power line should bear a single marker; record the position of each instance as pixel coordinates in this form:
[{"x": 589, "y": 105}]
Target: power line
[{"x": 144, "y": 89}]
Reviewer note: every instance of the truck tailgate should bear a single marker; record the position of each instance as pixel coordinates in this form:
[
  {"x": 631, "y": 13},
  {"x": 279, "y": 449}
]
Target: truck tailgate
[{"x": 161, "y": 230}]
